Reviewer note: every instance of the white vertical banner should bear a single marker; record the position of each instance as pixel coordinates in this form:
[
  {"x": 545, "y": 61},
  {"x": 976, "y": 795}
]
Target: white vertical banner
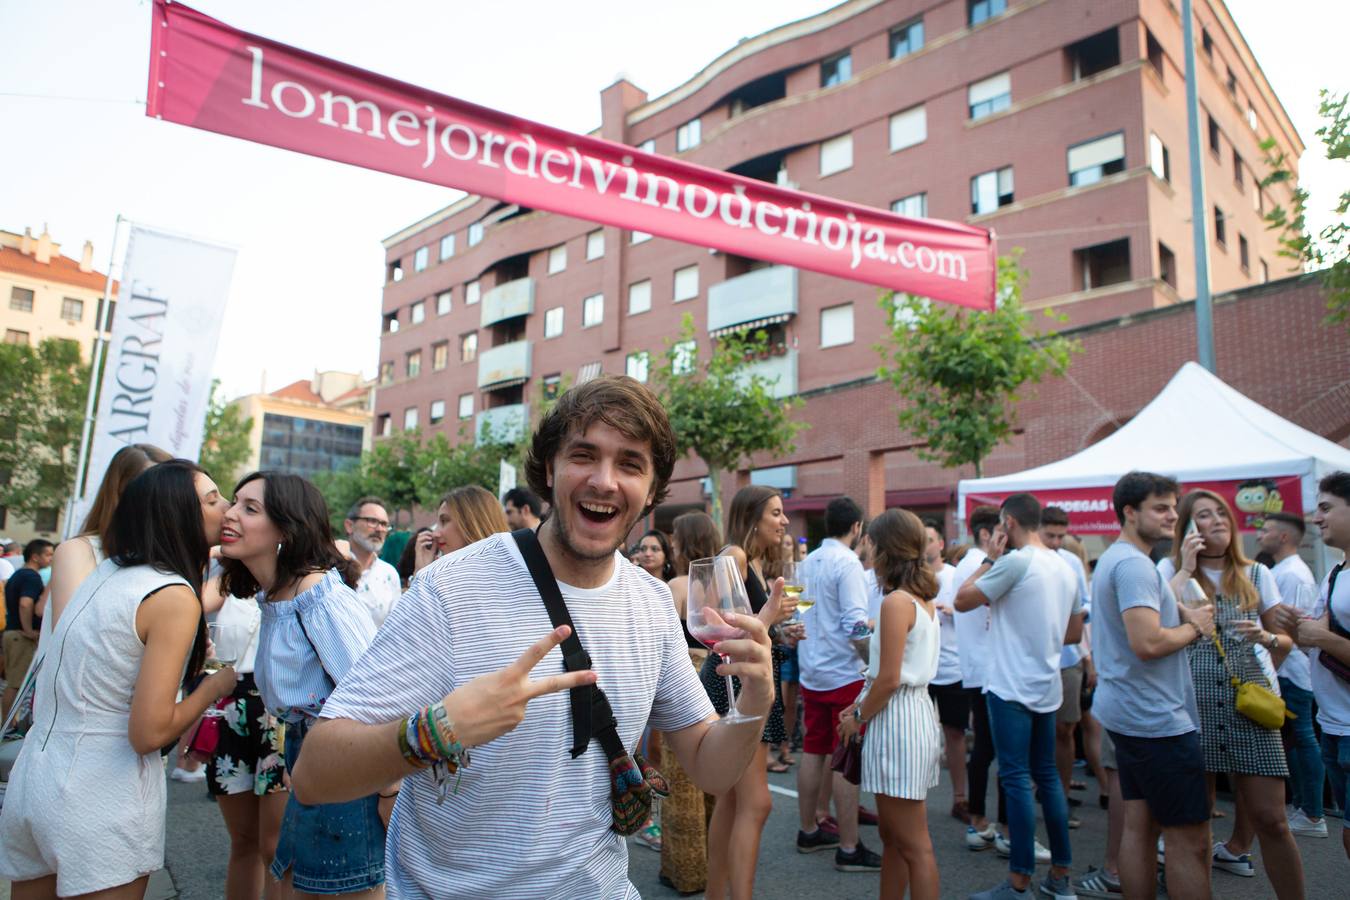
[
  {"x": 506, "y": 478},
  {"x": 157, "y": 376}
]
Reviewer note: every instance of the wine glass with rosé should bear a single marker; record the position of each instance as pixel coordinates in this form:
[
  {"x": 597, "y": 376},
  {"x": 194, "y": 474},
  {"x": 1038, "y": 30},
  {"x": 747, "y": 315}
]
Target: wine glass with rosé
[{"x": 715, "y": 590}]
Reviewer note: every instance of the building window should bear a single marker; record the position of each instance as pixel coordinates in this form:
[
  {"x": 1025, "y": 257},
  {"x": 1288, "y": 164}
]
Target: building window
[
  {"x": 1220, "y": 228},
  {"x": 21, "y": 299},
  {"x": 417, "y": 313},
  {"x": 98, "y": 315},
  {"x": 465, "y": 405},
  {"x": 443, "y": 302},
  {"x": 648, "y": 146},
  {"x": 72, "y": 310},
  {"x": 1265, "y": 272},
  {"x": 1213, "y": 135},
  {"x": 1167, "y": 265},
  {"x": 410, "y": 418},
  {"x": 636, "y": 365},
  {"x": 1158, "y": 159},
  {"x": 557, "y": 259},
  {"x": 1258, "y": 199},
  {"x": 384, "y": 425},
  {"x": 414, "y": 360},
  {"x": 987, "y": 97},
  {"x": 836, "y": 154},
  {"x": 592, "y": 310},
  {"x": 447, "y": 247},
  {"x": 991, "y": 190},
  {"x": 1251, "y": 117},
  {"x": 689, "y": 135},
  {"x": 1091, "y": 161},
  {"x": 421, "y": 258},
  {"x": 387, "y": 372},
  {"x": 1155, "y": 53},
  {"x": 981, "y": 10},
  {"x": 468, "y": 347},
  {"x": 836, "y": 325},
  {"x": 587, "y": 371},
  {"x": 1093, "y": 54},
  {"x": 391, "y": 322},
  {"x": 1207, "y": 43},
  {"x": 915, "y": 206},
  {"x": 1237, "y": 169},
  {"x": 395, "y": 271},
  {"x": 639, "y": 237},
  {"x": 45, "y": 518},
  {"x": 686, "y": 283},
  {"x": 1103, "y": 264},
  {"x": 836, "y": 69},
  {"x": 440, "y": 355},
  {"x": 908, "y": 128},
  {"x": 906, "y": 39},
  {"x": 683, "y": 354},
  {"x": 639, "y": 297},
  {"x": 475, "y": 234},
  {"x": 552, "y": 386},
  {"x": 553, "y": 322},
  {"x": 473, "y": 291},
  {"x": 595, "y": 245},
  {"x": 437, "y": 412},
  {"x": 1231, "y": 84},
  {"x": 1244, "y": 254},
  {"x": 13, "y": 336}
]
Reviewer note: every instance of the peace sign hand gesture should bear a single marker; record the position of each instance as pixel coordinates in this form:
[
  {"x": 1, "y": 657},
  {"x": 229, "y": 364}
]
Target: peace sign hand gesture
[{"x": 493, "y": 704}]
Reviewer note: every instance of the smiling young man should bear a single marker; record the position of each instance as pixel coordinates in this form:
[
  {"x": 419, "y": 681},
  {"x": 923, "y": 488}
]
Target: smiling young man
[{"x": 525, "y": 819}]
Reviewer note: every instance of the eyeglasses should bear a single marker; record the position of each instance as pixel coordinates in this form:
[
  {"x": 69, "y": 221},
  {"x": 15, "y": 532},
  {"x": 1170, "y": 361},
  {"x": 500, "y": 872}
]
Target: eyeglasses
[{"x": 380, "y": 524}]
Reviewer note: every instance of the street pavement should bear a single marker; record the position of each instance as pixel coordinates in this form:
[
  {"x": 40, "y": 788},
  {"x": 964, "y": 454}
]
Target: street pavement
[{"x": 197, "y": 849}]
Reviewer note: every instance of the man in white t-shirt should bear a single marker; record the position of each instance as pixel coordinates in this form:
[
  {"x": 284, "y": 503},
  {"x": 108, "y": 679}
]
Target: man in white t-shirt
[
  {"x": 1072, "y": 663},
  {"x": 1328, "y": 634},
  {"x": 951, "y": 699},
  {"x": 1035, "y": 605},
  {"x": 379, "y": 587},
  {"x": 1280, "y": 535},
  {"x": 524, "y": 817}
]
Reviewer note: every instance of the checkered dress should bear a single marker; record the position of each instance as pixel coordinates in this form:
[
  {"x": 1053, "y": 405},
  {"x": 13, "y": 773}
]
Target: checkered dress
[{"x": 1232, "y": 742}]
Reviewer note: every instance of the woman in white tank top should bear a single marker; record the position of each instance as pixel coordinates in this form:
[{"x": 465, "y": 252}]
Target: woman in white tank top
[{"x": 902, "y": 741}]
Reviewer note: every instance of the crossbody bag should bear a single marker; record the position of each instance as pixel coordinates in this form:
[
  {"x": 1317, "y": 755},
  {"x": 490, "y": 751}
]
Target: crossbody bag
[
  {"x": 632, "y": 780},
  {"x": 1257, "y": 702},
  {"x": 1329, "y": 662}
]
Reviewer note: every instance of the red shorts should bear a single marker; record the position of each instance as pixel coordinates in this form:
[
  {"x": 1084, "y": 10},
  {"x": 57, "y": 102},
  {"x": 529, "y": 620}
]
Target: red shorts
[{"x": 821, "y": 711}]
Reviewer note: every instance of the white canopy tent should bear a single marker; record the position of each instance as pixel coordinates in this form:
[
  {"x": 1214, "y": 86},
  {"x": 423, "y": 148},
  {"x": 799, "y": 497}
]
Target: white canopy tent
[{"x": 1198, "y": 429}]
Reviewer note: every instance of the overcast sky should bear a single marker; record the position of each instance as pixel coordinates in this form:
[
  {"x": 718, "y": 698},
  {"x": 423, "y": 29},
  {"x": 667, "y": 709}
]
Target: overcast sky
[{"x": 306, "y": 291}]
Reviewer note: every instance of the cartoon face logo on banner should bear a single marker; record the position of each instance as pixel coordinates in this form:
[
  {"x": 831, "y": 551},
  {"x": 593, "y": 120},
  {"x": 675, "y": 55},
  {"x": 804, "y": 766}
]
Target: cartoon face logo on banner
[{"x": 1254, "y": 500}]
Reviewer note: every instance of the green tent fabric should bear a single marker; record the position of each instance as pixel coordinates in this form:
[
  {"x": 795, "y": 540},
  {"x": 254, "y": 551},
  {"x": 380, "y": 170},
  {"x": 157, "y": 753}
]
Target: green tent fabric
[{"x": 393, "y": 546}]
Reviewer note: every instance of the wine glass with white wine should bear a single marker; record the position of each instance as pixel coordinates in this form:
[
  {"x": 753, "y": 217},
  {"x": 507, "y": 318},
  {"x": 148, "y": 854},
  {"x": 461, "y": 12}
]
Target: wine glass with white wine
[
  {"x": 228, "y": 640},
  {"x": 794, "y": 585}
]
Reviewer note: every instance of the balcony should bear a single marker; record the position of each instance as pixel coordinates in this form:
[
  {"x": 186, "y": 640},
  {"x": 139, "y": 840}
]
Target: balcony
[
  {"x": 755, "y": 299},
  {"x": 505, "y": 423},
  {"x": 507, "y": 301},
  {"x": 504, "y": 366},
  {"x": 782, "y": 370}
]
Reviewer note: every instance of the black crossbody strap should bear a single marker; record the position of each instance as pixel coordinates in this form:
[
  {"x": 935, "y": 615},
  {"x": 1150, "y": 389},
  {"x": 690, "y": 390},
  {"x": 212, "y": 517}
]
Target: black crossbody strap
[
  {"x": 592, "y": 715},
  {"x": 1336, "y": 627}
]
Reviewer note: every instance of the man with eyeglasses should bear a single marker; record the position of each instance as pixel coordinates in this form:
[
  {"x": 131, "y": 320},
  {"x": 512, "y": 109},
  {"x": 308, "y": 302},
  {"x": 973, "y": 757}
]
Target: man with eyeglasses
[{"x": 367, "y": 526}]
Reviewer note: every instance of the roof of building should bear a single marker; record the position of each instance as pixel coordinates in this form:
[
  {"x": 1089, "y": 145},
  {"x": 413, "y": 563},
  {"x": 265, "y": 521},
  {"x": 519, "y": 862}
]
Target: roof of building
[
  {"x": 61, "y": 268},
  {"x": 298, "y": 390}
]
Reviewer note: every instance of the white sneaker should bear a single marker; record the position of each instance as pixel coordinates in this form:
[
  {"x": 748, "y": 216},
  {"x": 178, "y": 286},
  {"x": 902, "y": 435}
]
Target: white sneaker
[
  {"x": 1003, "y": 847},
  {"x": 1303, "y": 825},
  {"x": 1162, "y": 853},
  {"x": 1227, "y": 861},
  {"x": 184, "y": 775},
  {"x": 980, "y": 840}
]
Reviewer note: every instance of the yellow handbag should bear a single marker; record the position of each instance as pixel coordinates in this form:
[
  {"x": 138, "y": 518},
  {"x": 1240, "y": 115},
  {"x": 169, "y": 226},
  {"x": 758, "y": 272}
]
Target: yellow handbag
[{"x": 1260, "y": 704}]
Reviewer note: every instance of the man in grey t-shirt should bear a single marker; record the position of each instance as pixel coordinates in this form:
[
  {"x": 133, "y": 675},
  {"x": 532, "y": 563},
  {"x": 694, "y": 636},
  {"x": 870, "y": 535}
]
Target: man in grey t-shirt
[{"x": 1145, "y": 697}]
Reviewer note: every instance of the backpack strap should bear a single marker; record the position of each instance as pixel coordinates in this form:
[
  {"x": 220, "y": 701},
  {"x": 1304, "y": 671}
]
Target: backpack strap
[{"x": 592, "y": 716}]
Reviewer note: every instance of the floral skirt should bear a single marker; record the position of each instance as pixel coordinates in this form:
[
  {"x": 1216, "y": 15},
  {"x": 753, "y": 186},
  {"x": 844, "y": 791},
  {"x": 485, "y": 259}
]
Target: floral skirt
[{"x": 248, "y": 757}]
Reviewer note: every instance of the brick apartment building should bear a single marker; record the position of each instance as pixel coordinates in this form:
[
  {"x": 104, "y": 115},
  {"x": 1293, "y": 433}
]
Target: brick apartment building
[{"x": 1059, "y": 124}]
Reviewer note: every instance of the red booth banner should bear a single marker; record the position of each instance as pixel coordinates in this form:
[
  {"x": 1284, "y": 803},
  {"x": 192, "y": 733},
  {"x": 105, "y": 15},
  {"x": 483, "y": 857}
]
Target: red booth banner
[
  {"x": 207, "y": 75},
  {"x": 1090, "y": 510}
]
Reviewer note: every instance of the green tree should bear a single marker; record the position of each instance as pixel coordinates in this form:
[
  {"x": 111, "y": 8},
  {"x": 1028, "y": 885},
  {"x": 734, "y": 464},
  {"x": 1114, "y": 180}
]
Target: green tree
[
  {"x": 959, "y": 372},
  {"x": 721, "y": 411},
  {"x": 42, "y": 397},
  {"x": 1329, "y": 251},
  {"x": 225, "y": 438}
]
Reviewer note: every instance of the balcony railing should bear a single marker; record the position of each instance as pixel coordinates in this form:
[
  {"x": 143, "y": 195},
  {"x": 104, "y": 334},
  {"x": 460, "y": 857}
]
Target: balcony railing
[
  {"x": 781, "y": 370},
  {"x": 761, "y": 297},
  {"x": 507, "y": 301},
  {"x": 502, "y": 423},
  {"x": 504, "y": 366}
]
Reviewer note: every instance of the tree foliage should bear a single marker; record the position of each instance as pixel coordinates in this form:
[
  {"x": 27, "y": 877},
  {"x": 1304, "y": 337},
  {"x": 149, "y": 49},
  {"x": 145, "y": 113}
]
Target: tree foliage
[
  {"x": 42, "y": 396},
  {"x": 1329, "y": 250},
  {"x": 720, "y": 410},
  {"x": 225, "y": 439},
  {"x": 960, "y": 372}
]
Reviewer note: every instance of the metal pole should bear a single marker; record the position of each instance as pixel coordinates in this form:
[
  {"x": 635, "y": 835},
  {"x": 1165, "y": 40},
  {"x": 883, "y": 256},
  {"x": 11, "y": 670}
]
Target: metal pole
[
  {"x": 99, "y": 340},
  {"x": 1204, "y": 309}
]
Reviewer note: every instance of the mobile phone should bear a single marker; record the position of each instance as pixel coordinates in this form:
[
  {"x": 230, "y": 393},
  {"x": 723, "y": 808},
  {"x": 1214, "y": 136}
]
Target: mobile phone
[{"x": 1191, "y": 528}]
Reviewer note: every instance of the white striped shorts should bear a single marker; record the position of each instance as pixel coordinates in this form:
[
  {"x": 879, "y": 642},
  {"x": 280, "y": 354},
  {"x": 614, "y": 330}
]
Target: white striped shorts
[{"x": 902, "y": 746}]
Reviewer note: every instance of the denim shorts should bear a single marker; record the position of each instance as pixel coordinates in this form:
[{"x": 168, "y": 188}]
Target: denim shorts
[
  {"x": 790, "y": 669},
  {"x": 331, "y": 848}
]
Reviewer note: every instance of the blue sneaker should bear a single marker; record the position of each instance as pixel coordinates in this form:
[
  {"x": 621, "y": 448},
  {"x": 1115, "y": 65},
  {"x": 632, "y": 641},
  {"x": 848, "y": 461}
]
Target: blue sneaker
[
  {"x": 1060, "y": 888},
  {"x": 1004, "y": 891}
]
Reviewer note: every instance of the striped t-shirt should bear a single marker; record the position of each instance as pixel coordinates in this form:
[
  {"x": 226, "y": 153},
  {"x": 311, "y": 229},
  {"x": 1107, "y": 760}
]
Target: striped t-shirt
[{"x": 527, "y": 821}]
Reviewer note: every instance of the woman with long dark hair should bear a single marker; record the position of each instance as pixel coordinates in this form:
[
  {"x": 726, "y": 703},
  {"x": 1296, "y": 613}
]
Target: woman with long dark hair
[
  {"x": 655, "y": 557},
  {"x": 1208, "y": 549},
  {"x": 755, "y": 526},
  {"x": 275, "y": 543},
  {"x": 86, "y": 802}
]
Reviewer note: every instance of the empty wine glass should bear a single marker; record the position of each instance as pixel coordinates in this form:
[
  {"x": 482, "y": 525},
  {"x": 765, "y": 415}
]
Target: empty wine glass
[
  {"x": 716, "y": 589},
  {"x": 228, "y": 640}
]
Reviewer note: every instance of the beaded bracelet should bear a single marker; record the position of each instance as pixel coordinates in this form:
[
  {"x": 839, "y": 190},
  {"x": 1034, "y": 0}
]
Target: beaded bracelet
[
  {"x": 408, "y": 744},
  {"x": 428, "y": 739}
]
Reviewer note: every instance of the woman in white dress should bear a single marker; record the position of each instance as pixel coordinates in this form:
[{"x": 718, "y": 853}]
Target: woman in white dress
[
  {"x": 903, "y": 741},
  {"x": 84, "y": 812}
]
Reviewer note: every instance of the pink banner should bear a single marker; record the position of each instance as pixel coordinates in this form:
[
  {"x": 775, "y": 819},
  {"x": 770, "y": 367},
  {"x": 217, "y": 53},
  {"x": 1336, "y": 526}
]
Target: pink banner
[
  {"x": 1090, "y": 510},
  {"x": 209, "y": 76}
]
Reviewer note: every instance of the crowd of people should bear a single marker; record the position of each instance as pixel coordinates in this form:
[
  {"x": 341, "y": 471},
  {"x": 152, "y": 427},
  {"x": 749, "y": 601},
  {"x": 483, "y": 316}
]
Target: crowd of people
[{"x": 523, "y": 676}]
